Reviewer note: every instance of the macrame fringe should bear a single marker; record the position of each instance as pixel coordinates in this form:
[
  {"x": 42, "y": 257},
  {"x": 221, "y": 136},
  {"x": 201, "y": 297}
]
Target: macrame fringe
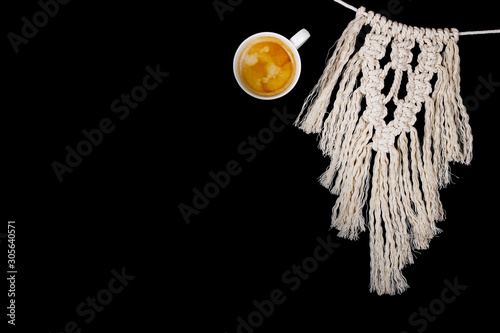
[
  {"x": 451, "y": 136},
  {"x": 312, "y": 121},
  {"x": 402, "y": 185}
]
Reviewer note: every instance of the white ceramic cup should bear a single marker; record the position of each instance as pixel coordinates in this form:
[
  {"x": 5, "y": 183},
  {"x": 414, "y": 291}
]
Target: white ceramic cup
[{"x": 293, "y": 44}]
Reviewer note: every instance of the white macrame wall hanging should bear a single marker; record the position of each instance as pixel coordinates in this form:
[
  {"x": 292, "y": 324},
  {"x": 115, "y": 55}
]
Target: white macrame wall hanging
[{"x": 386, "y": 165}]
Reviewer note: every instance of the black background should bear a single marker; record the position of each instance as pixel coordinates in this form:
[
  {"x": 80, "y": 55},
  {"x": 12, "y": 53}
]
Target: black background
[{"x": 120, "y": 207}]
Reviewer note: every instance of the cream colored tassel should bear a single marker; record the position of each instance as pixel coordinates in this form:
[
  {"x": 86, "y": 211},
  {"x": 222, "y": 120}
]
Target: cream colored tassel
[
  {"x": 347, "y": 214},
  {"x": 319, "y": 98},
  {"x": 403, "y": 201},
  {"x": 459, "y": 111},
  {"x": 341, "y": 147},
  {"x": 341, "y": 122}
]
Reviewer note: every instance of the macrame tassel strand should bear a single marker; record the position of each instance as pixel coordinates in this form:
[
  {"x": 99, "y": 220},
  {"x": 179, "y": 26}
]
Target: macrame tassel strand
[
  {"x": 312, "y": 121},
  {"x": 400, "y": 182}
]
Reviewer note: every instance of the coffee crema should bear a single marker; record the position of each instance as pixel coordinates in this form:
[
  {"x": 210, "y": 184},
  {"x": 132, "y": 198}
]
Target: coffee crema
[{"x": 266, "y": 66}]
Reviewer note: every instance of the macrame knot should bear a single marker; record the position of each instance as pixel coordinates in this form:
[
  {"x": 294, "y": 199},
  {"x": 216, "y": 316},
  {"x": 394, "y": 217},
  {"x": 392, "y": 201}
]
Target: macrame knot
[
  {"x": 360, "y": 12},
  {"x": 384, "y": 139},
  {"x": 401, "y": 55},
  {"x": 404, "y": 119}
]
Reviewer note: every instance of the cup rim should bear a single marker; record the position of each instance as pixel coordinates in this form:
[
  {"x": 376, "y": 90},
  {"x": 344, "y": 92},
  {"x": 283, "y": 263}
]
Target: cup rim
[{"x": 298, "y": 64}]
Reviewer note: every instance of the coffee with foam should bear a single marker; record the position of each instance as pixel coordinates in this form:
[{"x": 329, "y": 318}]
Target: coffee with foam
[{"x": 266, "y": 66}]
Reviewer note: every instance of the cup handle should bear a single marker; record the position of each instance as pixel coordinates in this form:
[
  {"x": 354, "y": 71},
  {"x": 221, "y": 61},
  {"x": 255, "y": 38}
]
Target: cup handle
[{"x": 300, "y": 38}]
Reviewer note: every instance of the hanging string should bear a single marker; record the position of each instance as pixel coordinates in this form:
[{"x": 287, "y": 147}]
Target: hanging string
[
  {"x": 461, "y": 33},
  {"x": 479, "y": 32}
]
